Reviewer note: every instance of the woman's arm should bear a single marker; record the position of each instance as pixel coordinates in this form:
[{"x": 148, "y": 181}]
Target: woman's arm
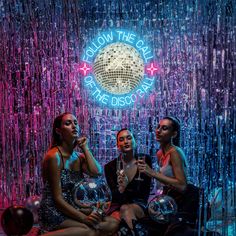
[
  {"x": 111, "y": 178},
  {"x": 112, "y": 181},
  {"x": 52, "y": 173},
  {"x": 146, "y": 184},
  {"x": 89, "y": 164},
  {"x": 178, "y": 181}
]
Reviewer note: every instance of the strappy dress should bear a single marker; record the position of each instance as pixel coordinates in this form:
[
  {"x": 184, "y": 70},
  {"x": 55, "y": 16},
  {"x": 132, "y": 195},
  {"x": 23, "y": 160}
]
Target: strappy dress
[{"x": 49, "y": 216}]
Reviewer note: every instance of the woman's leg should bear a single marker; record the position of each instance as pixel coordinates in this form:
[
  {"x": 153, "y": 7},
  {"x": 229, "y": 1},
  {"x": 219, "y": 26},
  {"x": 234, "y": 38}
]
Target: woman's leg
[
  {"x": 108, "y": 226},
  {"x": 73, "y": 228},
  {"x": 130, "y": 212}
]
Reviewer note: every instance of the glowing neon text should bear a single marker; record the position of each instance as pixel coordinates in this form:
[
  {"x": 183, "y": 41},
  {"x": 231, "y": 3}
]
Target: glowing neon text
[
  {"x": 117, "y": 36},
  {"x": 114, "y": 100}
]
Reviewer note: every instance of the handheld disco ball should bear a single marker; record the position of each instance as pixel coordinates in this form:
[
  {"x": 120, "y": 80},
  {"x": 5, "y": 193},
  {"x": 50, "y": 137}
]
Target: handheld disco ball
[
  {"x": 91, "y": 192},
  {"x": 161, "y": 208}
]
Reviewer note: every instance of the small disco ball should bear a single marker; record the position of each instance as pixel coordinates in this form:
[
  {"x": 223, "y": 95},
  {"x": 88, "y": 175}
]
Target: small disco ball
[
  {"x": 33, "y": 203},
  {"x": 92, "y": 192},
  {"x": 17, "y": 220},
  {"x": 119, "y": 68},
  {"x": 161, "y": 208}
]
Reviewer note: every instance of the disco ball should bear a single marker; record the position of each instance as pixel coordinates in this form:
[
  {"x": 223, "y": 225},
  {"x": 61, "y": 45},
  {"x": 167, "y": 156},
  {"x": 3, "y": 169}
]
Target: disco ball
[
  {"x": 161, "y": 208},
  {"x": 92, "y": 192},
  {"x": 118, "y": 68},
  {"x": 33, "y": 203},
  {"x": 17, "y": 220}
]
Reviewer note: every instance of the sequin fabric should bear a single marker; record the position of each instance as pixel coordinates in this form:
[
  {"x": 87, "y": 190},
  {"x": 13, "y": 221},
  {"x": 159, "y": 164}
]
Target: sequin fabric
[{"x": 49, "y": 216}]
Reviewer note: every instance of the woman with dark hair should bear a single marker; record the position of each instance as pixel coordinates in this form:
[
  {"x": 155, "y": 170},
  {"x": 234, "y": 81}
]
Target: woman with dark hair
[
  {"x": 172, "y": 173},
  {"x": 62, "y": 168},
  {"x": 171, "y": 158},
  {"x": 129, "y": 192}
]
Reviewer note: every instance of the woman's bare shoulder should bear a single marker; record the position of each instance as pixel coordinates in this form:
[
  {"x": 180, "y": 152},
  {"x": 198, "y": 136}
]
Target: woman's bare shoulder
[
  {"x": 51, "y": 154},
  {"x": 178, "y": 151},
  {"x": 77, "y": 157},
  {"x": 177, "y": 154},
  {"x": 159, "y": 154}
]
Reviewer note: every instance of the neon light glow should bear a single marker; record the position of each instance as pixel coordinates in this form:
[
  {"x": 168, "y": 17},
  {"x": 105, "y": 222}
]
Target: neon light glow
[
  {"x": 85, "y": 68},
  {"x": 119, "y": 58},
  {"x": 118, "y": 100},
  {"x": 152, "y": 69},
  {"x": 117, "y": 36}
]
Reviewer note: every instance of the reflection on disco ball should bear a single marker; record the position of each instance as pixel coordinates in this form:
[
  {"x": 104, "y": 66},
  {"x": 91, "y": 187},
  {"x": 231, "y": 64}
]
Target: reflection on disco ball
[
  {"x": 118, "y": 68},
  {"x": 91, "y": 191},
  {"x": 33, "y": 203},
  {"x": 161, "y": 208}
]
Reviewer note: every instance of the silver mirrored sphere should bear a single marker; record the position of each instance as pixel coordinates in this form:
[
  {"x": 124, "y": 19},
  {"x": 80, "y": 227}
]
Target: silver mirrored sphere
[
  {"x": 33, "y": 203},
  {"x": 161, "y": 208},
  {"x": 91, "y": 192}
]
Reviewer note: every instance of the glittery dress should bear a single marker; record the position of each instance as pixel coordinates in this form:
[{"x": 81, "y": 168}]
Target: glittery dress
[{"x": 49, "y": 216}]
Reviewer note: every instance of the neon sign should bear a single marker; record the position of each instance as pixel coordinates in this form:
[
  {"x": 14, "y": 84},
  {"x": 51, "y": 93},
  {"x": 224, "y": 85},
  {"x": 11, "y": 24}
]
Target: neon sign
[{"x": 118, "y": 68}]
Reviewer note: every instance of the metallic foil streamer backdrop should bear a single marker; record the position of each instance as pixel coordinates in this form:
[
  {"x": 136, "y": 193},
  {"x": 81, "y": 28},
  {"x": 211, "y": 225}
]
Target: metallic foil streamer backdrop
[{"x": 40, "y": 49}]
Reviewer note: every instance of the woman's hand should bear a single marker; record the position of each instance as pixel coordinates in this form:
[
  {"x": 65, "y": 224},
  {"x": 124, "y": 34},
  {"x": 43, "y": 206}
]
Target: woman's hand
[
  {"x": 122, "y": 180},
  {"x": 86, "y": 211},
  {"x": 93, "y": 219},
  {"x": 82, "y": 143},
  {"x": 89, "y": 164},
  {"x": 143, "y": 167}
]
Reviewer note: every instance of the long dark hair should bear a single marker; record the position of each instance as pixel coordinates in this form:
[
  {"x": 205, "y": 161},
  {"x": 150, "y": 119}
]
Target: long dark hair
[
  {"x": 176, "y": 127},
  {"x": 56, "y": 138}
]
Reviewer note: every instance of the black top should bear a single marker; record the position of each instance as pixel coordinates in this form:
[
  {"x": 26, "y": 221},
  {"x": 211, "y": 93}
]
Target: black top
[{"x": 135, "y": 192}]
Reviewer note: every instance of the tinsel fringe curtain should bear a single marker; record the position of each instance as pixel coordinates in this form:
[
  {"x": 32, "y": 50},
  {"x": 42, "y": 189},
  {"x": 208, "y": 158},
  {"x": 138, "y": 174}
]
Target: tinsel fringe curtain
[{"x": 41, "y": 42}]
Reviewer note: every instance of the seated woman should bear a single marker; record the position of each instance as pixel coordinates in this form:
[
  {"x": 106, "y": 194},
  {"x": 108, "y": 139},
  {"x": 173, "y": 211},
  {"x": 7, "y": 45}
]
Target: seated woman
[
  {"x": 129, "y": 193},
  {"x": 173, "y": 170},
  {"x": 62, "y": 168}
]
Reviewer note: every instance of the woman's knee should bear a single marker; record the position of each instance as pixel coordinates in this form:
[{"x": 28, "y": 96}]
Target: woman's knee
[
  {"x": 131, "y": 209},
  {"x": 113, "y": 223},
  {"x": 109, "y": 226},
  {"x": 90, "y": 232},
  {"x": 124, "y": 208},
  {"x": 85, "y": 229},
  {"x": 79, "y": 231},
  {"x": 138, "y": 211}
]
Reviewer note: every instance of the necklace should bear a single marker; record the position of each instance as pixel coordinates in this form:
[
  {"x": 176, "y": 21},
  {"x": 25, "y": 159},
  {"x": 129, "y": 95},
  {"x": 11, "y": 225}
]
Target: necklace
[{"x": 128, "y": 166}]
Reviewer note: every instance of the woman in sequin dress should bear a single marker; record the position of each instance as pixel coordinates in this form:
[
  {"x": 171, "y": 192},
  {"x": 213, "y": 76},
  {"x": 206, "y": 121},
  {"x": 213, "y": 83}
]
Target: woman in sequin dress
[{"x": 62, "y": 168}]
